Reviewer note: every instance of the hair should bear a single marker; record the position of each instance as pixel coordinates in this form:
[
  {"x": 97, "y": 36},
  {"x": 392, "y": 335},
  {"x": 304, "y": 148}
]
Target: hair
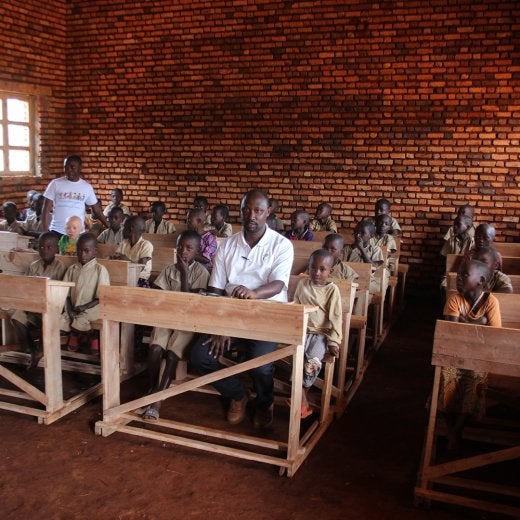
[
  {"x": 253, "y": 193},
  {"x": 9, "y": 205},
  {"x": 325, "y": 205},
  {"x": 322, "y": 253},
  {"x": 488, "y": 250},
  {"x": 200, "y": 198},
  {"x": 366, "y": 224},
  {"x": 482, "y": 268},
  {"x": 72, "y": 158},
  {"x": 87, "y": 237},
  {"x": 382, "y": 216},
  {"x": 196, "y": 212},
  {"x": 486, "y": 228},
  {"x": 189, "y": 234},
  {"x": 115, "y": 209},
  {"x": 462, "y": 208},
  {"x": 382, "y": 202},
  {"x": 334, "y": 237},
  {"x": 303, "y": 213},
  {"x": 74, "y": 217},
  {"x": 223, "y": 209},
  {"x": 49, "y": 235},
  {"x": 465, "y": 219},
  {"x": 139, "y": 220},
  {"x": 158, "y": 204},
  {"x": 119, "y": 190}
]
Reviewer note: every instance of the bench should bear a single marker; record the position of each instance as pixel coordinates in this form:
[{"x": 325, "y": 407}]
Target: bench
[
  {"x": 273, "y": 321},
  {"x": 510, "y": 264},
  {"x": 9, "y": 240},
  {"x": 507, "y": 248},
  {"x": 515, "y": 282},
  {"x": 485, "y": 349}
]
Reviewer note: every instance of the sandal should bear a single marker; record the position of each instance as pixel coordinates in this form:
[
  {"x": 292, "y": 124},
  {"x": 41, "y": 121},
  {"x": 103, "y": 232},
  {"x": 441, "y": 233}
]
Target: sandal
[
  {"x": 304, "y": 412},
  {"x": 151, "y": 413}
]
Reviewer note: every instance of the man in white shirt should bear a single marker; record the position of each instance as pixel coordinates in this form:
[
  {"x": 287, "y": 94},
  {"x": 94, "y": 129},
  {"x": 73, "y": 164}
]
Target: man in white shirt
[
  {"x": 68, "y": 196},
  {"x": 252, "y": 264}
]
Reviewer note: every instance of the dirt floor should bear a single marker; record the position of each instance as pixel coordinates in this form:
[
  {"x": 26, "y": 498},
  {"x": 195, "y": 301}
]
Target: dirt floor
[{"x": 364, "y": 467}]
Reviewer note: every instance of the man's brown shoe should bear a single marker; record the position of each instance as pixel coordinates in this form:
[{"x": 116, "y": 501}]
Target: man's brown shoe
[
  {"x": 237, "y": 411},
  {"x": 264, "y": 418}
]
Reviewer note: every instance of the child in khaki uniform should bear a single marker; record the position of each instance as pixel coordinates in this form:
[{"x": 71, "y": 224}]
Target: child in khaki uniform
[
  {"x": 322, "y": 220},
  {"x": 81, "y": 307},
  {"x": 157, "y": 224},
  {"x": 187, "y": 275},
  {"x": 324, "y": 325},
  {"x": 114, "y": 234},
  {"x": 334, "y": 244},
  {"x": 50, "y": 267}
]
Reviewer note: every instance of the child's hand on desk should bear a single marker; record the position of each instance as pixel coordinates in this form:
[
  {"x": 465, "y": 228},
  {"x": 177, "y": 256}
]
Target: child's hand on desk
[
  {"x": 217, "y": 345},
  {"x": 243, "y": 293}
]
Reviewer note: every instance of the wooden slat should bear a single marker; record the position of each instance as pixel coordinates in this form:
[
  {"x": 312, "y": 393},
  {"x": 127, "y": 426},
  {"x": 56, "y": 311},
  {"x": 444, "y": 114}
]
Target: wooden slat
[
  {"x": 197, "y": 313},
  {"x": 507, "y": 248}
]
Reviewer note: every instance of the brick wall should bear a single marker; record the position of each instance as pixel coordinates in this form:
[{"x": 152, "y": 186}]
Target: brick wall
[{"x": 344, "y": 101}]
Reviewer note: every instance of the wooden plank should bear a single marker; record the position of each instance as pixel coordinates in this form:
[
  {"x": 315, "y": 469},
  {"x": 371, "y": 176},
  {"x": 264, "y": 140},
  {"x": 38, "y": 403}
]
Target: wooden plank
[
  {"x": 22, "y": 409},
  {"x": 22, "y": 292},
  {"x": 193, "y": 312},
  {"x": 481, "y": 348},
  {"x": 507, "y": 248},
  {"x": 509, "y": 309},
  {"x": 477, "y": 485},
  {"x": 26, "y": 387},
  {"x": 510, "y": 264},
  {"x": 16, "y": 262}
]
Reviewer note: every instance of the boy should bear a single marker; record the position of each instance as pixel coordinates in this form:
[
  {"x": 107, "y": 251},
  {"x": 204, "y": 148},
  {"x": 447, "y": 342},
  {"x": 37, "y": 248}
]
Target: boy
[
  {"x": 463, "y": 391},
  {"x": 382, "y": 207},
  {"x": 81, "y": 307},
  {"x": 273, "y": 221},
  {"x": 187, "y": 275},
  {"x": 50, "y": 267},
  {"x": 219, "y": 227},
  {"x": 33, "y": 224},
  {"x": 324, "y": 326},
  {"x": 134, "y": 248},
  {"x": 299, "y": 226},
  {"x": 485, "y": 235},
  {"x": 28, "y": 212},
  {"x": 10, "y": 223},
  {"x": 117, "y": 196},
  {"x": 157, "y": 224},
  {"x": 201, "y": 202},
  {"x": 323, "y": 221},
  {"x": 114, "y": 234},
  {"x": 461, "y": 241},
  {"x": 73, "y": 229},
  {"x": 463, "y": 211},
  {"x": 498, "y": 281},
  {"x": 362, "y": 250},
  {"x": 208, "y": 242},
  {"x": 334, "y": 244}
]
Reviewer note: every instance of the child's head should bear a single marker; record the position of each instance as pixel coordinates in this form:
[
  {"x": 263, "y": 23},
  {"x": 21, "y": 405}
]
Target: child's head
[
  {"x": 72, "y": 166},
  {"x": 461, "y": 224},
  {"x": 334, "y": 244},
  {"x": 485, "y": 235},
  {"x": 273, "y": 204},
  {"x": 158, "y": 209},
  {"x": 200, "y": 202},
  {"x": 188, "y": 245},
  {"x": 383, "y": 224},
  {"x": 219, "y": 215},
  {"x": 37, "y": 203},
  {"x": 117, "y": 196},
  {"x": 195, "y": 219},
  {"x": 115, "y": 218},
  {"x": 30, "y": 194},
  {"x": 382, "y": 207},
  {"x": 10, "y": 211},
  {"x": 48, "y": 246},
  {"x": 73, "y": 227},
  {"x": 86, "y": 248},
  {"x": 133, "y": 228},
  {"x": 323, "y": 211},
  {"x": 489, "y": 256},
  {"x": 472, "y": 276},
  {"x": 299, "y": 220},
  {"x": 321, "y": 263},
  {"x": 466, "y": 210},
  {"x": 364, "y": 231}
]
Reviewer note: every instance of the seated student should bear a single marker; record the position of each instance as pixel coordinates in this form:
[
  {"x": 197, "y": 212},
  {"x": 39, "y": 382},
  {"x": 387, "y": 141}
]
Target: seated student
[
  {"x": 463, "y": 211},
  {"x": 33, "y": 224},
  {"x": 117, "y": 196},
  {"x": 498, "y": 281},
  {"x": 28, "y": 212},
  {"x": 362, "y": 250},
  {"x": 461, "y": 241},
  {"x": 334, "y": 244},
  {"x": 134, "y": 248},
  {"x": 219, "y": 225},
  {"x": 201, "y": 202},
  {"x": 299, "y": 226},
  {"x": 81, "y": 307},
  {"x": 273, "y": 221},
  {"x": 322, "y": 220},
  {"x": 187, "y": 275},
  {"x": 157, "y": 224},
  {"x": 114, "y": 234},
  {"x": 208, "y": 242},
  {"x": 462, "y": 391},
  {"x": 382, "y": 207},
  {"x": 48, "y": 266},
  {"x": 324, "y": 325},
  {"x": 485, "y": 235},
  {"x": 73, "y": 229},
  {"x": 10, "y": 223},
  {"x": 383, "y": 237}
]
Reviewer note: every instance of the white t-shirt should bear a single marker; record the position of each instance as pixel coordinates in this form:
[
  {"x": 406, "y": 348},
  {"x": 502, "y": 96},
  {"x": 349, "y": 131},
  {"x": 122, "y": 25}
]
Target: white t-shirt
[
  {"x": 69, "y": 199},
  {"x": 237, "y": 264}
]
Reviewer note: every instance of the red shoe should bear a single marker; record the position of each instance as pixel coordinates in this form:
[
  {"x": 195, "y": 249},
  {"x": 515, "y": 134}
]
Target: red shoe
[
  {"x": 94, "y": 346},
  {"x": 73, "y": 343}
]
